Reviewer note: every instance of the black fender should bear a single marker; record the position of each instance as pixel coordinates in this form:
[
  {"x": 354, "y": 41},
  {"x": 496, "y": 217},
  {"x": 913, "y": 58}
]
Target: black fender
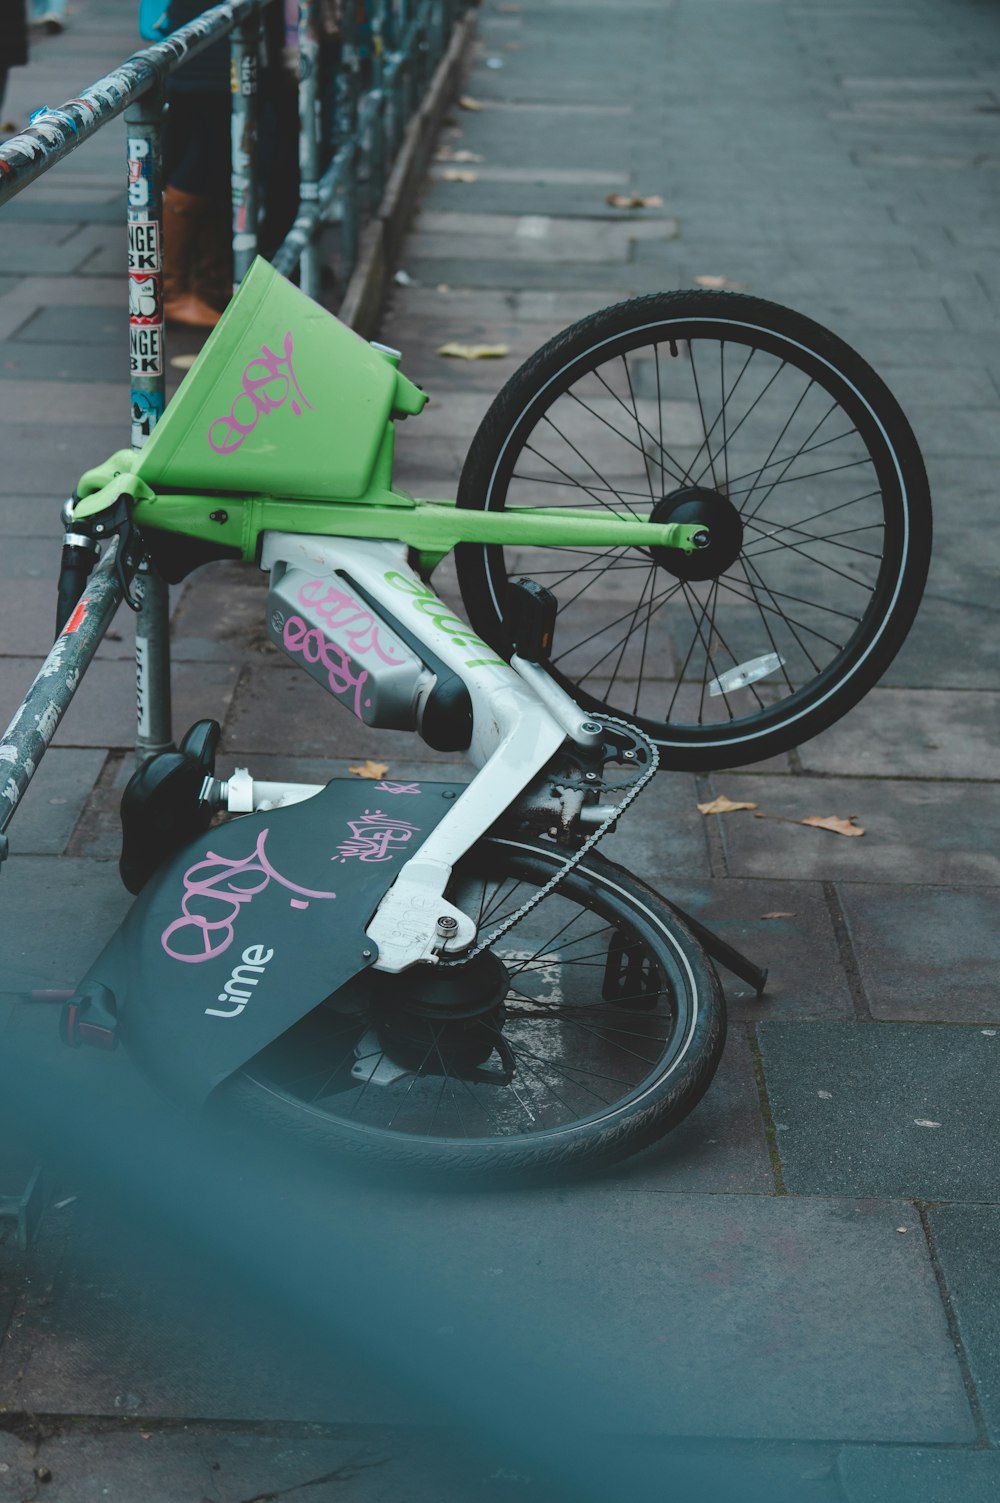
[{"x": 251, "y": 926}]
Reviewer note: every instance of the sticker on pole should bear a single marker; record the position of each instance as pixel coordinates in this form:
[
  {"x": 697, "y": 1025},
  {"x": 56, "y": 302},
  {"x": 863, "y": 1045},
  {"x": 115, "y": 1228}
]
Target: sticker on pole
[
  {"x": 145, "y": 349},
  {"x": 144, "y": 299},
  {"x": 143, "y": 246}
]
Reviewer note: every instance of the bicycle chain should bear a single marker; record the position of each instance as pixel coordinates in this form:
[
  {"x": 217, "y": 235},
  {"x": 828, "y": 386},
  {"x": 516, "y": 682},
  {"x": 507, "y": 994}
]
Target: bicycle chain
[{"x": 631, "y": 792}]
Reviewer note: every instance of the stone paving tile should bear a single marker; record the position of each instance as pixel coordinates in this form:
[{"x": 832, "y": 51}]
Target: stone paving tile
[
  {"x": 926, "y": 954},
  {"x": 42, "y": 467},
  {"x": 35, "y": 951},
  {"x": 852, "y": 1102},
  {"x": 549, "y": 306},
  {"x": 919, "y": 733},
  {"x": 69, "y": 362},
  {"x": 655, "y": 1331},
  {"x": 273, "y": 706},
  {"x": 953, "y": 644},
  {"x": 456, "y": 419},
  {"x": 384, "y": 1464},
  {"x": 49, "y": 811},
  {"x": 95, "y": 1337},
  {"x": 425, "y": 245},
  {"x": 914, "y": 386},
  {"x": 806, "y": 978},
  {"x": 968, "y": 431},
  {"x": 721, "y": 1148},
  {"x": 24, "y": 401},
  {"x": 519, "y": 276},
  {"x": 165, "y": 1463},
  {"x": 901, "y": 1474},
  {"x": 825, "y": 1346},
  {"x": 220, "y": 615},
  {"x": 28, "y": 601},
  {"x": 934, "y": 833},
  {"x": 28, "y": 615},
  {"x": 963, "y": 573},
  {"x": 103, "y": 711},
  {"x": 965, "y": 1240}
]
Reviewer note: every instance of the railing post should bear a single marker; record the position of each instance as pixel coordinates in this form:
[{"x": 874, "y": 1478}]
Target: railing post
[
  {"x": 407, "y": 70},
  {"x": 147, "y": 360},
  {"x": 244, "y": 51},
  {"x": 377, "y": 116},
  {"x": 309, "y": 133},
  {"x": 346, "y": 96}
]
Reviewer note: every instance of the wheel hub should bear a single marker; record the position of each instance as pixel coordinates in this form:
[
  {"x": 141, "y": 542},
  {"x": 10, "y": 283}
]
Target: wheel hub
[
  {"x": 441, "y": 1021},
  {"x": 699, "y": 506}
]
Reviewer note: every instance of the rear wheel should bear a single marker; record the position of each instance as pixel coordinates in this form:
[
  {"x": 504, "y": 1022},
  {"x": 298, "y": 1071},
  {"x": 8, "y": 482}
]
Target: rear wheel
[
  {"x": 587, "y": 1031},
  {"x": 747, "y": 418}
]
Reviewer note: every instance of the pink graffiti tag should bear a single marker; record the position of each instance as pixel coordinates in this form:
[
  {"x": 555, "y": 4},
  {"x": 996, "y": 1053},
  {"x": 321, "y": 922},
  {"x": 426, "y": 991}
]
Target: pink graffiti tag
[
  {"x": 395, "y": 787},
  {"x": 337, "y": 608},
  {"x": 215, "y": 890},
  {"x": 309, "y": 642},
  {"x": 268, "y": 382},
  {"x": 374, "y": 836}
]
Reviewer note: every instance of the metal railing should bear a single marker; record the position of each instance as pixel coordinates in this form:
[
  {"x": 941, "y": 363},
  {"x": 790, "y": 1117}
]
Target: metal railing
[{"x": 364, "y": 66}]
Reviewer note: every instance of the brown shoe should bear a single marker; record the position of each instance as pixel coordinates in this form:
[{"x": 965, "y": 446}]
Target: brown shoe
[
  {"x": 189, "y": 309},
  {"x": 187, "y": 237}
]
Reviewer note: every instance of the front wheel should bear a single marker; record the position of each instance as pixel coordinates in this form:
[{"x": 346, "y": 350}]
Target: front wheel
[
  {"x": 586, "y": 1032},
  {"x": 748, "y": 419}
]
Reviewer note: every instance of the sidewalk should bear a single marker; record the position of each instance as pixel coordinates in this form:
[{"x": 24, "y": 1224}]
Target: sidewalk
[{"x": 800, "y": 1281}]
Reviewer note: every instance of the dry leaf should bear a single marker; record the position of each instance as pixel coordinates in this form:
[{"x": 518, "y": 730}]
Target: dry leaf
[
  {"x": 719, "y": 282},
  {"x": 458, "y": 175},
  {"x": 723, "y": 805},
  {"x": 833, "y": 824},
  {"x": 182, "y": 362},
  {"x": 819, "y": 821},
  {"x": 635, "y": 201},
  {"x": 447, "y": 154},
  {"x": 474, "y": 351},
  {"x": 776, "y": 915},
  {"x": 466, "y": 102},
  {"x": 370, "y": 769}
]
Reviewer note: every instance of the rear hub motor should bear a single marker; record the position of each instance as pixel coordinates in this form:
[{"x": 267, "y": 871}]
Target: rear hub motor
[
  {"x": 446, "y": 1021},
  {"x": 699, "y": 506}
]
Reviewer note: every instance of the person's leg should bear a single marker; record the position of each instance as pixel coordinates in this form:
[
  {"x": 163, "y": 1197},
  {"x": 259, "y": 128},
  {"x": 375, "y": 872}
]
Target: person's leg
[
  {"x": 197, "y": 214},
  {"x": 50, "y": 15}
]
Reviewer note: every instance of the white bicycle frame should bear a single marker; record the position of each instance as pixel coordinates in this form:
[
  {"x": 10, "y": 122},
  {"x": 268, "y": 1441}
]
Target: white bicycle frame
[{"x": 520, "y": 718}]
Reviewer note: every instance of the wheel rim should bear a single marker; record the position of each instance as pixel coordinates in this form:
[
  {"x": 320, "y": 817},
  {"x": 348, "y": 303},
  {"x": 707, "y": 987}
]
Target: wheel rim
[
  {"x": 584, "y": 1037},
  {"x": 750, "y": 421}
]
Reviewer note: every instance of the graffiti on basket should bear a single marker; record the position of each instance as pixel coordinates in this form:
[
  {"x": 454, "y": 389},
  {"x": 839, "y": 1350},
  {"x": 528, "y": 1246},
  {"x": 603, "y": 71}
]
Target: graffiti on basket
[
  {"x": 375, "y": 837},
  {"x": 216, "y": 890},
  {"x": 268, "y": 383}
]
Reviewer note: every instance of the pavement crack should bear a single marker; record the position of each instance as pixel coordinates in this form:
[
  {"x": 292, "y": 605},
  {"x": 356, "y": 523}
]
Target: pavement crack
[
  {"x": 845, "y": 952},
  {"x": 923, "y": 1209},
  {"x": 346, "y": 1472},
  {"x": 770, "y": 1127}
]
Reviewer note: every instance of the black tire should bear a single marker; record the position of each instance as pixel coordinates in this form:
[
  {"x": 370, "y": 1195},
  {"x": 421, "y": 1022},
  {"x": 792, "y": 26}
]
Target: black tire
[
  {"x": 590, "y": 1079},
  {"x": 803, "y": 467}
]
